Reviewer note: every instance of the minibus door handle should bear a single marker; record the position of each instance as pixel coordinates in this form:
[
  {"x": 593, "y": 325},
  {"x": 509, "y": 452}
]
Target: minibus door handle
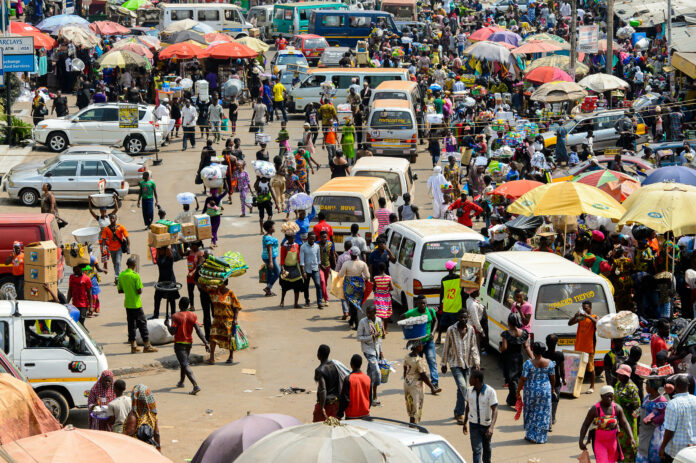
[{"x": 29, "y": 364}]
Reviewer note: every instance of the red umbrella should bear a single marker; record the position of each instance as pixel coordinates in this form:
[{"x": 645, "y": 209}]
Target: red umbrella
[
  {"x": 18, "y": 27},
  {"x": 137, "y": 48},
  {"x": 229, "y": 50},
  {"x": 516, "y": 188},
  {"x": 183, "y": 50},
  {"x": 108, "y": 28},
  {"x": 545, "y": 74},
  {"x": 42, "y": 40},
  {"x": 537, "y": 46},
  {"x": 484, "y": 33}
]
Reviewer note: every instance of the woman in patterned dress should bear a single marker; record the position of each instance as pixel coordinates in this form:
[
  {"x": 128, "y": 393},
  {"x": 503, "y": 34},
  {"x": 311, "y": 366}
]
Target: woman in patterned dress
[
  {"x": 226, "y": 307},
  {"x": 537, "y": 381},
  {"x": 415, "y": 374},
  {"x": 382, "y": 294},
  {"x": 653, "y": 431},
  {"x": 244, "y": 186},
  {"x": 626, "y": 395}
]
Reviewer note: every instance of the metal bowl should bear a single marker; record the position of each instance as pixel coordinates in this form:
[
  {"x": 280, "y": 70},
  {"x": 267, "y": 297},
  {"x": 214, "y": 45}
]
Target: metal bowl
[
  {"x": 102, "y": 200},
  {"x": 87, "y": 235}
]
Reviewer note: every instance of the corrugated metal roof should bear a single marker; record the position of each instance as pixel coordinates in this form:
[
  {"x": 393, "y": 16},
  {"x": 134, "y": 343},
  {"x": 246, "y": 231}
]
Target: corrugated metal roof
[
  {"x": 684, "y": 39},
  {"x": 652, "y": 12}
]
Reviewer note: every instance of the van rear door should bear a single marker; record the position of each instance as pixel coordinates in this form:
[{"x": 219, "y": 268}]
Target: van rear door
[{"x": 392, "y": 128}]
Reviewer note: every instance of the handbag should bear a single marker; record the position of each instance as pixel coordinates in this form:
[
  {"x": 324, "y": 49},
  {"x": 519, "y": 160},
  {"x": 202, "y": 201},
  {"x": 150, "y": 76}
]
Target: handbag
[
  {"x": 263, "y": 274},
  {"x": 337, "y": 285},
  {"x": 146, "y": 434},
  {"x": 124, "y": 244},
  {"x": 240, "y": 340}
]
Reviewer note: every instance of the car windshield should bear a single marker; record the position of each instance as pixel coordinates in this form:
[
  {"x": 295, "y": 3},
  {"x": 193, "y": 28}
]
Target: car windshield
[
  {"x": 391, "y": 120},
  {"x": 435, "y": 452},
  {"x": 291, "y": 59},
  {"x": 340, "y": 208},
  {"x": 315, "y": 43},
  {"x": 569, "y": 125},
  {"x": 435, "y": 254},
  {"x": 390, "y": 95},
  {"x": 560, "y": 301},
  {"x": 48, "y": 165},
  {"x": 391, "y": 178},
  {"x": 123, "y": 157}
]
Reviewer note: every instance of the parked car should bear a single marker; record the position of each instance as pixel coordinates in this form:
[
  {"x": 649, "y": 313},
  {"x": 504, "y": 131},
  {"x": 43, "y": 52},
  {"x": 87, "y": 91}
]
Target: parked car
[
  {"x": 72, "y": 177},
  {"x": 312, "y": 46},
  {"x": 502, "y": 6},
  {"x": 428, "y": 447},
  {"x": 666, "y": 153},
  {"x": 331, "y": 56},
  {"x": 633, "y": 165},
  {"x": 281, "y": 60},
  {"x": 99, "y": 123},
  {"x": 131, "y": 166}
]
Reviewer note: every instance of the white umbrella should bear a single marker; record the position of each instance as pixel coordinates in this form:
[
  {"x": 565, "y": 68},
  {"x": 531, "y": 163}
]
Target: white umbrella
[
  {"x": 489, "y": 51},
  {"x": 557, "y": 91},
  {"x": 603, "y": 82}
]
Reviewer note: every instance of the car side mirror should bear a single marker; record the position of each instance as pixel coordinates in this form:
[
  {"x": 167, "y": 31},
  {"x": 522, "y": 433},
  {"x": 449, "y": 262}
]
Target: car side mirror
[
  {"x": 48, "y": 174},
  {"x": 73, "y": 121}
]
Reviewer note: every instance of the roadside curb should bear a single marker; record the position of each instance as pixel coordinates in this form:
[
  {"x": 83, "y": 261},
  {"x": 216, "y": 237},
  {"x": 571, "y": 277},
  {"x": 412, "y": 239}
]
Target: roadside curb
[{"x": 170, "y": 363}]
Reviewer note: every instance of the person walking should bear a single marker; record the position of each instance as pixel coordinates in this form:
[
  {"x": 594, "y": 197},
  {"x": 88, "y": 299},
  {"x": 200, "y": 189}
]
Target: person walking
[
  {"x": 652, "y": 422},
  {"x": 181, "y": 326},
  {"x": 451, "y": 300},
  {"x": 189, "y": 115},
  {"x": 269, "y": 254},
  {"x": 131, "y": 286},
  {"x": 80, "y": 292},
  {"x": 328, "y": 386},
  {"x": 461, "y": 353},
  {"x": 607, "y": 417},
  {"x": 415, "y": 375},
  {"x": 586, "y": 337},
  {"x": 143, "y": 413},
  {"x": 100, "y": 395},
  {"x": 382, "y": 294},
  {"x": 165, "y": 267},
  {"x": 538, "y": 377},
  {"x": 428, "y": 346},
  {"x": 148, "y": 195},
  {"x": 309, "y": 264},
  {"x": 370, "y": 334},
  {"x": 215, "y": 115},
  {"x": 214, "y": 210},
  {"x": 355, "y": 274},
  {"x": 327, "y": 260},
  {"x": 514, "y": 340},
  {"x": 258, "y": 117},
  {"x": 279, "y": 95},
  {"x": 226, "y": 308},
  {"x": 356, "y": 392},
  {"x": 558, "y": 359},
  {"x": 480, "y": 416},
  {"x": 626, "y": 394},
  {"x": 116, "y": 238},
  {"x": 680, "y": 421}
]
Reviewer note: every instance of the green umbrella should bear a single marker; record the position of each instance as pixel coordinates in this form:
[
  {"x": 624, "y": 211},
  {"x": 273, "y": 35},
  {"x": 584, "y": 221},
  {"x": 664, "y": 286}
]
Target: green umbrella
[
  {"x": 598, "y": 178},
  {"x": 135, "y": 4}
]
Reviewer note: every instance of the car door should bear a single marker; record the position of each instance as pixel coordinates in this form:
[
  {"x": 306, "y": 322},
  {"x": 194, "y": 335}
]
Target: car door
[
  {"x": 86, "y": 126},
  {"x": 396, "y": 270},
  {"x": 497, "y": 312},
  {"x": 577, "y": 134},
  {"x": 405, "y": 260},
  {"x": 111, "y": 133},
  {"x": 605, "y": 135},
  {"x": 63, "y": 179}
]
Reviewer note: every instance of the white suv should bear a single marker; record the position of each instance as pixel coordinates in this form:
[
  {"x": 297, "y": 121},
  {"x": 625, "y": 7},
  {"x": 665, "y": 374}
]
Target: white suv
[{"x": 99, "y": 124}]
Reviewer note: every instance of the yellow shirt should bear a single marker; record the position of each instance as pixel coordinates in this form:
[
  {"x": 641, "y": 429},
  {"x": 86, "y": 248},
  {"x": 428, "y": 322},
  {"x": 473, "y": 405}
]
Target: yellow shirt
[{"x": 278, "y": 90}]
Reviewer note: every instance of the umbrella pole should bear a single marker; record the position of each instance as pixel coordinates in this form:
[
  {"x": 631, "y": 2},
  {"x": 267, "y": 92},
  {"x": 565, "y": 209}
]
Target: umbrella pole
[{"x": 565, "y": 233}]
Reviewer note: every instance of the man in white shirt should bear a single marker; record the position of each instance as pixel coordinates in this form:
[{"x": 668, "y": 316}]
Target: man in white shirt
[
  {"x": 565, "y": 9},
  {"x": 161, "y": 112},
  {"x": 461, "y": 354},
  {"x": 188, "y": 121},
  {"x": 118, "y": 409},
  {"x": 481, "y": 415},
  {"x": 126, "y": 79}
]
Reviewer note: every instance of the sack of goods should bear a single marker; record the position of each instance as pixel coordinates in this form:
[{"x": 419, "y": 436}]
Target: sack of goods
[
  {"x": 186, "y": 198},
  {"x": 212, "y": 176},
  {"x": 215, "y": 270},
  {"x": 157, "y": 332},
  {"x": 264, "y": 169},
  {"x": 617, "y": 325},
  {"x": 415, "y": 327}
]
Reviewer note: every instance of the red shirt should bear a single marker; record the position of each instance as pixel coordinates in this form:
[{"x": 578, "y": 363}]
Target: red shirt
[
  {"x": 323, "y": 226},
  {"x": 467, "y": 206},
  {"x": 80, "y": 290},
  {"x": 184, "y": 323},
  {"x": 359, "y": 393},
  {"x": 657, "y": 344}
]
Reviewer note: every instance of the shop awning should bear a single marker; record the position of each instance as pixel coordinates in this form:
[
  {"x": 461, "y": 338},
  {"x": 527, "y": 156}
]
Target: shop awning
[{"x": 686, "y": 63}]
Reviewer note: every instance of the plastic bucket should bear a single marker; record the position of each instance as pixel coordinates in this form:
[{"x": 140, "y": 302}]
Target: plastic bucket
[{"x": 418, "y": 331}]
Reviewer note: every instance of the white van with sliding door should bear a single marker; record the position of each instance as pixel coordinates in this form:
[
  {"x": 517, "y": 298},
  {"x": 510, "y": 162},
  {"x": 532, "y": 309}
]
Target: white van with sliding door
[
  {"x": 392, "y": 129},
  {"x": 422, "y": 247},
  {"x": 556, "y": 289},
  {"x": 395, "y": 171}
]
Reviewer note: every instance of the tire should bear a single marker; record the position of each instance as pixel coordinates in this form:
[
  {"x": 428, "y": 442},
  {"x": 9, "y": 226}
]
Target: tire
[
  {"x": 135, "y": 144},
  {"x": 57, "y": 142},
  {"x": 7, "y": 289},
  {"x": 56, "y": 404},
  {"x": 29, "y": 196}
]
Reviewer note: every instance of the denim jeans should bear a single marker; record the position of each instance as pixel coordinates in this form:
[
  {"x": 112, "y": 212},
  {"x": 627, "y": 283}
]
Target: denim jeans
[
  {"x": 373, "y": 369},
  {"x": 480, "y": 443},
  {"x": 271, "y": 276},
  {"x": 116, "y": 257},
  {"x": 215, "y": 129},
  {"x": 461, "y": 378},
  {"x": 313, "y": 275},
  {"x": 431, "y": 358},
  {"x": 280, "y": 105}
]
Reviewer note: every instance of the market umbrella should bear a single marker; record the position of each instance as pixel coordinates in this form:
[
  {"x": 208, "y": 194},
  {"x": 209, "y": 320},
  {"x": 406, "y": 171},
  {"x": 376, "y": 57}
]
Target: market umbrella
[
  {"x": 676, "y": 174},
  {"x": 506, "y": 37},
  {"x": 619, "y": 185},
  {"x": 516, "y": 188},
  {"x": 82, "y": 446},
  {"x": 601, "y": 82},
  {"x": 483, "y": 33},
  {"x": 328, "y": 442},
  {"x": 79, "y": 36},
  {"x": 567, "y": 198},
  {"x": 120, "y": 58},
  {"x": 526, "y": 225},
  {"x": 22, "y": 413},
  {"x": 183, "y": 25},
  {"x": 537, "y": 46},
  {"x": 153, "y": 43},
  {"x": 547, "y": 37},
  {"x": 254, "y": 43},
  {"x": 18, "y": 27},
  {"x": 184, "y": 36},
  {"x": 184, "y": 50},
  {"x": 489, "y": 51},
  {"x": 544, "y": 74},
  {"x": 217, "y": 37},
  {"x": 53, "y": 23},
  {"x": 133, "y": 5},
  {"x": 602, "y": 45},
  {"x": 228, "y": 442},
  {"x": 229, "y": 50},
  {"x": 559, "y": 61},
  {"x": 108, "y": 28},
  {"x": 41, "y": 40},
  {"x": 555, "y": 92},
  {"x": 663, "y": 207},
  {"x": 135, "y": 47}
]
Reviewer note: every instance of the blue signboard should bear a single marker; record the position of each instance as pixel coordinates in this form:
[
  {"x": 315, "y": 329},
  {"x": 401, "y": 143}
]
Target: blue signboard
[
  {"x": 18, "y": 54},
  {"x": 18, "y": 63}
]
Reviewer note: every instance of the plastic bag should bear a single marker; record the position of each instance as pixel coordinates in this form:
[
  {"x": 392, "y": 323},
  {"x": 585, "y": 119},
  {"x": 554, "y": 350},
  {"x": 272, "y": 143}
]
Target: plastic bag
[
  {"x": 185, "y": 198},
  {"x": 264, "y": 169},
  {"x": 263, "y": 278},
  {"x": 384, "y": 370},
  {"x": 619, "y": 325},
  {"x": 240, "y": 340},
  {"x": 337, "y": 285},
  {"x": 518, "y": 409}
]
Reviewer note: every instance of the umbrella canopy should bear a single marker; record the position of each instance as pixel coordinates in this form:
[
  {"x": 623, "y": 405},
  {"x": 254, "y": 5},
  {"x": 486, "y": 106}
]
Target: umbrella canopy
[
  {"x": 663, "y": 207},
  {"x": 559, "y": 61},
  {"x": 178, "y": 26},
  {"x": 82, "y": 445},
  {"x": 483, "y": 33},
  {"x": 133, "y": 5},
  {"x": 602, "y": 45},
  {"x": 544, "y": 74},
  {"x": 153, "y": 43},
  {"x": 18, "y": 27},
  {"x": 217, "y": 37},
  {"x": 506, "y": 37},
  {"x": 79, "y": 36},
  {"x": 489, "y": 51},
  {"x": 22, "y": 413},
  {"x": 554, "y": 92},
  {"x": 320, "y": 442},
  {"x": 537, "y": 46},
  {"x": 677, "y": 174},
  {"x": 516, "y": 188},
  {"x": 567, "y": 198},
  {"x": 547, "y": 37},
  {"x": 228, "y": 442},
  {"x": 619, "y": 185},
  {"x": 181, "y": 51},
  {"x": 41, "y": 40},
  {"x": 121, "y": 58},
  {"x": 53, "y": 23},
  {"x": 135, "y": 47},
  {"x": 184, "y": 36},
  {"x": 108, "y": 28},
  {"x": 526, "y": 225},
  {"x": 254, "y": 43},
  {"x": 603, "y": 82},
  {"x": 229, "y": 50}
]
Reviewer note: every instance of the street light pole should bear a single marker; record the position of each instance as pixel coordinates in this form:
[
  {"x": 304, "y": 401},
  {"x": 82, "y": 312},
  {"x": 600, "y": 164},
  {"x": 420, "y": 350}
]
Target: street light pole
[
  {"x": 610, "y": 36},
  {"x": 573, "y": 37}
]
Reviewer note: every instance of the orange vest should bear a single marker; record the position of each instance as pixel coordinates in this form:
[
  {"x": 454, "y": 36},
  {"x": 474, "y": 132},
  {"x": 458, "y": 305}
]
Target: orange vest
[{"x": 18, "y": 265}]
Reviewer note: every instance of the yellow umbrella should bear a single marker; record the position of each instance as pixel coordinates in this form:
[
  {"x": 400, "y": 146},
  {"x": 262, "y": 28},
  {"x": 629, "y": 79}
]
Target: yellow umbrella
[
  {"x": 567, "y": 198},
  {"x": 664, "y": 207},
  {"x": 254, "y": 43}
]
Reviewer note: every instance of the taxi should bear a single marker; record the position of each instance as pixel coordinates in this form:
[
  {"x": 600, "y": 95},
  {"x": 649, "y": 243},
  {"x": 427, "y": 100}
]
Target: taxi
[
  {"x": 289, "y": 59},
  {"x": 311, "y": 45}
]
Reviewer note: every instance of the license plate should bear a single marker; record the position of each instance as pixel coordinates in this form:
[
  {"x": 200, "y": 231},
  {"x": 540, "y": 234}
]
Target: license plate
[
  {"x": 380, "y": 151},
  {"x": 338, "y": 238},
  {"x": 566, "y": 342},
  {"x": 390, "y": 140}
]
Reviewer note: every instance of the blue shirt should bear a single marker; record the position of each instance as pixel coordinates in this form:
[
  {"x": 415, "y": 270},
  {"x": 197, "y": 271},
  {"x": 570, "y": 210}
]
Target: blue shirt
[
  {"x": 269, "y": 240},
  {"x": 304, "y": 225},
  {"x": 375, "y": 258},
  {"x": 309, "y": 257},
  {"x": 680, "y": 418}
]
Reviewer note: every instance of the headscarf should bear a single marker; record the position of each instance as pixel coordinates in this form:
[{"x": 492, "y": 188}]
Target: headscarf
[
  {"x": 100, "y": 391},
  {"x": 606, "y": 390},
  {"x": 144, "y": 406},
  {"x": 436, "y": 180}
]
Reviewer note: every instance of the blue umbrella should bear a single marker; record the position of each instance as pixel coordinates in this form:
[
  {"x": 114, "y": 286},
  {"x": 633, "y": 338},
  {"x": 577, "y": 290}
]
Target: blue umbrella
[
  {"x": 677, "y": 174},
  {"x": 53, "y": 23}
]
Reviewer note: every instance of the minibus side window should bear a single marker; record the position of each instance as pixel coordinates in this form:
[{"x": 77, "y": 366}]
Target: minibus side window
[
  {"x": 497, "y": 284},
  {"x": 5, "y": 337},
  {"x": 513, "y": 286},
  {"x": 394, "y": 242},
  {"x": 408, "y": 248},
  {"x": 52, "y": 334}
]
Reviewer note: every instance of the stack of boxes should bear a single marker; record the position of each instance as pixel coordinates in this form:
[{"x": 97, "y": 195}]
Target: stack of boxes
[
  {"x": 40, "y": 267},
  {"x": 159, "y": 236},
  {"x": 203, "y": 228},
  {"x": 188, "y": 233}
]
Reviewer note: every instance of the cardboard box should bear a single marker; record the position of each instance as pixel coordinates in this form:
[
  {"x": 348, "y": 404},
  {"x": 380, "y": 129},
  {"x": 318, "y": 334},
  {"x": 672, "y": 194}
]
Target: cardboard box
[
  {"x": 158, "y": 240},
  {"x": 172, "y": 227},
  {"x": 40, "y": 273},
  {"x": 173, "y": 238},
  {"x": 36, "y": 291},
  {"x": 471, "y": 270},
  {"x": 188, "y": 229},
  {"x": 158, "y": 229},
  {"x": 204, "y": 233},
  {"x": 201, "y": 220},
  {"x": 76, "y": 254},
  {"x": 41, "y": 253}
]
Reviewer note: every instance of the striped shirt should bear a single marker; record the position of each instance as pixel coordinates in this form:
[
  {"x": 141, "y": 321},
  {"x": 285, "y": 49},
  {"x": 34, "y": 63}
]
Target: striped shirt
[{"x": 382, "y": 219}]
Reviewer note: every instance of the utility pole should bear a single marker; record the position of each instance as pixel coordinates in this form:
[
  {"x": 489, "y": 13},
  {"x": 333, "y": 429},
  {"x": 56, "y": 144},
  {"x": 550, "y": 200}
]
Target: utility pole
[
  {"x": 610, "y": 36},
  {"x": 669, "y": 45},
  {"x": 573, "y": 37},
  {"x": 6, "y": 76}
]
